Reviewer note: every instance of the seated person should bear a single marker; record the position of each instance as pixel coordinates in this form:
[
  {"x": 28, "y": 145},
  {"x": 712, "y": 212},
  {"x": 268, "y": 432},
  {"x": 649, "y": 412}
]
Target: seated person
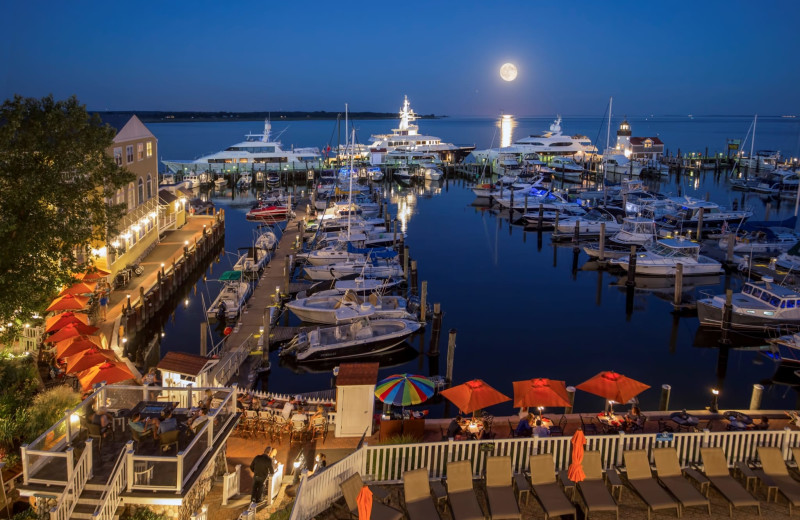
[
  {"x": 169, "y": 423},
  {"x": 143, "y": 427},
  {"x": 320, "y": 463},
  {"x": 101, "y": 419},
  {"x": 634, "y": 419},
  {"x": 763, "y": 425},
  {"x": 150, "y": 378},
  {"x": 209, "y": 397},
  {"x": 196, "y": 422},
  {"x": 287, "y": 410},
  {"x": 540, "y": 429},
  {"x": 320, "y": 413},
  {"x": 525, "y": 428},
  {"x": 455, "y": 430}
]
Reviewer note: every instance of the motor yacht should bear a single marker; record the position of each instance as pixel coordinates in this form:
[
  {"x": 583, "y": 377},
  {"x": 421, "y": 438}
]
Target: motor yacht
[
  {"x": 662, "y": 257},
  {"x": 759, "y": 305}
]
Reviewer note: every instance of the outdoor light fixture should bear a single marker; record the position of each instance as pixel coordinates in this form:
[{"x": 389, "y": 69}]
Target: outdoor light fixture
[
  {"x": 714, "y": 408},
  {"x": 186, "y": 242},
  {"x": 124, "y": 340}
]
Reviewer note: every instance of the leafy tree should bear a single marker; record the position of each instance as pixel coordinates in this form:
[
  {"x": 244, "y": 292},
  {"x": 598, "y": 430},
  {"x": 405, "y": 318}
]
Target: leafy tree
[{"x": 55, "y": 180}]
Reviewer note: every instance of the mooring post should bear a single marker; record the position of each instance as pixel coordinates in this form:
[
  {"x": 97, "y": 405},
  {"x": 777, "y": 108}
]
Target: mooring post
[
  {"x": 755, "y": 398},
  {"x": 204, "y": 339},
  {"x": 663, "y": 404},
  {"x": 413, "y": 283},
  {"x": 678, "y": 296},
  {"x": 433, "y": 348},
  {"x": 394, "y": 238},
  {"x": 631, "y": 268},
  {"x": 526, "y": 203},
  {"x": 451, "y": 350},
  {"x": 731, "y": 245},
  {"x": 541, "y": 215},
  {"x": 423, "y": 302},
  {"x": 602, "y": 241},
  {"x": 576, "y": 236},
  {"x": 555, "y": 224},
  {"x": 767, "y": 210},
  {"x": 571, "y": 396},
  {"x": 405, "y": 262},
  {"x": 700, "y": 223}
]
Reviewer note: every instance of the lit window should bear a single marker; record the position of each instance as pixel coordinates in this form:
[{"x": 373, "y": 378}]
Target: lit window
[
  {"x": 118, "y": 156},
  {"x": 140, "y": 151},
  {"x": 129, "y": 153},
  {"x": 149, "y": 148}
]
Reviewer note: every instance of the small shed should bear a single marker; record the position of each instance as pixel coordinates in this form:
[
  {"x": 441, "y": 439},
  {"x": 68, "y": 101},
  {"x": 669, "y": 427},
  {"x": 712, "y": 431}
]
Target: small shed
[
  {"x": 180, "y": 369},
  {"x": 355, "y": 398}
]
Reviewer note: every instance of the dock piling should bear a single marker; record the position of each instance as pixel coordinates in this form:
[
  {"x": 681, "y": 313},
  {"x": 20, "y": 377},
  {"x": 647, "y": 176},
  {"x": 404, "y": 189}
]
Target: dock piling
[
  {"x": 663, "y": 404},
  {"x": 423, "y": 297},
  {"x": 204, "y": 339},
  {"x": 526, "y": 203},
  {"x": 631, "y": 268},
  {"x": 602, "y": 256},
  {"x": 571, "y": 396},
  {"x": 731, "y": 244},
  {"x": 541, "y": 215},
  {"x": 755, "y": 398},
  {"x": 413, "y": 283},
  {"x": 433, "y": 347},
  {"x": 678, "y": 296},
  {"x": 394, "y": 237},
  {"x": 700, "y": 223},
  {"x": 451, "y": 350},
  {"x": 405, "y": 263},
  {"x": 576, "y": 236}
]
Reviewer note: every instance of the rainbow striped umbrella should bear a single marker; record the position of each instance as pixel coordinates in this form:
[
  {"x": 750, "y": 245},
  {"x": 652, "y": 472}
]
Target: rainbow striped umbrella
[{"x": 404, "y": 389}]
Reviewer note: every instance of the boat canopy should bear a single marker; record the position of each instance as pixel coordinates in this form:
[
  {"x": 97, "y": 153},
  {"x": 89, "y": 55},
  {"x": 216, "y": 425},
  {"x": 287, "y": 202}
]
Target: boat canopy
[
  {"x": 229, "y": 276},
  {"x": 372, "y": 252}
]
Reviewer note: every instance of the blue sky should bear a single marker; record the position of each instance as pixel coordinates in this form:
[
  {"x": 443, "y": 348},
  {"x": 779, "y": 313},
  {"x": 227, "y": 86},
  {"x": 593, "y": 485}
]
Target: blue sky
[{"x": 702, "y": 57}]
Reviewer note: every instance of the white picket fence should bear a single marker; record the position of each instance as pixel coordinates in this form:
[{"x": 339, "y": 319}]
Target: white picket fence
[
  {"x": 231, "y": 482},
  {"x": 386, "y": 464}
]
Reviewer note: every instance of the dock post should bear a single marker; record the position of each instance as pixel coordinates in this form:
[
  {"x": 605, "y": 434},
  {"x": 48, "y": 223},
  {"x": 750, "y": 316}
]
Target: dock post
[
  {"x": 433, "y": 348},
  {"x": 678, "y": 296},
  {"x": 387, "y": 220},
  {"x": 700, "y": 223},
  {"x": 602, "y": 241},
  {"x": 555, "y": 224},
  {"x": 571, "y": 395},
  {"x": 511, "y": 208},
  {"x": 541, "y": 215},
  {"x": 526, "y": 203},
  {"x": 726, "y": 318},
  {"x": 413, "y": 273},
  {"x": 405, "y": 263},
  {"x": 204, "y": 339},
  {"x": 731, "y": 244},
  {"x": 576, "y": 236},
  {"x": 451, "y": 350},
  {"x": 631, "y": 268},
  {"x": 287, "y": 272},
  {"x": 394, "y": 238},
  {"x": 423, "y": 302},
  {"x": 663, "y": 404},
  {"x": 755, "y": 398},
  {"x": 767, "y": 210}
]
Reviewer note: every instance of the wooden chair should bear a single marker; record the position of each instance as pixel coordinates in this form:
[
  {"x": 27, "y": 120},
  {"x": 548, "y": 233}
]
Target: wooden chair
[
  {"x": 298, "y": 432},
  {"x": 168, "y": 439},
  {"x": 588, "y": 429},
  {"x": 95, "y": 433},
  {"x": 319, "y": 429},
  {"x": 139, "y": 438}
]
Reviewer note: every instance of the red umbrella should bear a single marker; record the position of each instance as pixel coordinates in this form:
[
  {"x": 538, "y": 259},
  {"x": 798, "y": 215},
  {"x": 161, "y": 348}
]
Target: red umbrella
[
  {"x": 79, "y": 288},
  {"x": 88, "y": 358},
  {"x": 70, "y": 331},
  {"x": 540, "y": 392},
  {"x": 613, "y": 387},
  {"x": 109, "y": 372},
  {"x": 575, "y": 472},
  {"x": 68, "y": 303},
  {"x": 93, "y": 274},
  {"x": 474, "y": 395},
  {"x": 63, "y": 319},
  {"x": 70, "y": 347}
]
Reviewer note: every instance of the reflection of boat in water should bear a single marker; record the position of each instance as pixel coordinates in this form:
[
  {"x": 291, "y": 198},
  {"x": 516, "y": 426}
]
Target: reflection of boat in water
[
  {"x": 400, "y": 355},
  {"x": 710, "y": 338},
  {"x": 667, "y": 284}
]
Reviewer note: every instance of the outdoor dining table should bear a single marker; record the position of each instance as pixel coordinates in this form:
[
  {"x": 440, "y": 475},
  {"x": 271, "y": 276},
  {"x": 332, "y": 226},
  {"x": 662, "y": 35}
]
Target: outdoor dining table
[
  {"x": 738, "y": 420},
  {"x": 684, "y": 420},
  {"x": 615, "y": 421}
]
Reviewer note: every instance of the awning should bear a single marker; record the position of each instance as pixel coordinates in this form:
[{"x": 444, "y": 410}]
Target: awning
[{"x": 228, "y": 276}]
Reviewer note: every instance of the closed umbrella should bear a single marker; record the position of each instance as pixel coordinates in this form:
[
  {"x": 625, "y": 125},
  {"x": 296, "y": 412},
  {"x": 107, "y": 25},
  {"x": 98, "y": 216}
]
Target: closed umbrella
[
  {"x": 63, "y": 319},
  {"x": 540, "y": 392},
  {"x": 474, "y": 395},
  {"x": 109, "y": 372},
  {"x": 404, "y": 389},
  {"x": 70, "y": 331},
  {"x": 613, "y": 387},
  {"x": 71, "y": 346},
  {"x": 79, "y": 288},
  {"x": 93, "y": 274},
  {"x": 575, "y": 472},
  {"x": 88, "y": 358},
  {"x": 68, "y": 302},
  {"x": 364, "y": 501}
]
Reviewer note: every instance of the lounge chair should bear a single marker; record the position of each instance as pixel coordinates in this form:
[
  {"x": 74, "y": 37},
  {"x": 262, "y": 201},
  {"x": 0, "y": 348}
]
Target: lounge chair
[
  {"x": 641, "y": 481},
  {"x": 593, "y": 491},
  {"x": 774, "y": 468},
  {"x": 463, "y": 502},
  {"x": 715, "y": 468},
  {"x": 499, "y": 489},
  {"x": 545, "y": 486},
  {"x": 671, "y": 477},
  {"x": 417, "y": 489},
  {"x": 352, "y": 487}
]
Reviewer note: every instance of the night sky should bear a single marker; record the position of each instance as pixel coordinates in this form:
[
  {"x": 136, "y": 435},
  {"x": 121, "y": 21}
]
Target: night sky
[{"x": 663, "y": 58}]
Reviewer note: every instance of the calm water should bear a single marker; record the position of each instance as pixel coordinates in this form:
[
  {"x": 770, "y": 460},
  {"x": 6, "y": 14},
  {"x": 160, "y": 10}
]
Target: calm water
[{"x": 522, "y": 307}]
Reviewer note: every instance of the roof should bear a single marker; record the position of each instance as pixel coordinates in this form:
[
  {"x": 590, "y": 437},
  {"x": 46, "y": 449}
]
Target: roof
[
  {"x": 637, "y": 141},
  {"x": 181, "y": 363},
  {"x": 132, "y": 131},
  {"x": 357, "y": 374},
  {"x": 166, "y": 197}
]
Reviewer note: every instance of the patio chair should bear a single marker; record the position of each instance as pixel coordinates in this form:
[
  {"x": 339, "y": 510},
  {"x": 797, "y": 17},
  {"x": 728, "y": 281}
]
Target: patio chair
[
  {"x": 602, "y": 427},
  {"x": 380, "y": 511},
  {"x": 663, "y": 427},
  {"x": 139, "y": 438},
  {"x": 545, "y": 486},
  {"x": 774, "y": 467},
  {"x": 709, "y": 425},
  {"x": 96, "y": 433},
  {"x": 588, "y": 429},
  {"x": 499, "y": 489},
  {"x": 264, "y": 423},
  {"x": 641, "y": 482},
  {"x": 168, "y": 439},
  {"x": 280, "y": 426},
  {"x": 560, "y": 428},
  {"x": 715, "y": 469},
  {"x": 298, "y": 432},
  {"x": 638, "y": 427},
  {"x": 417, "y": 492},
  {"x": 319, "y": 429},
  {"x": 671, "y": 477},
  {"x": 594, "y": 494},
  {"x": 463, "y": 501}
]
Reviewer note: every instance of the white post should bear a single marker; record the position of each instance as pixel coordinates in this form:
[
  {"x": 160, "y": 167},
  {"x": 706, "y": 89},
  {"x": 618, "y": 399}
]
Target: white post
[{"x": 129, "y": 456}]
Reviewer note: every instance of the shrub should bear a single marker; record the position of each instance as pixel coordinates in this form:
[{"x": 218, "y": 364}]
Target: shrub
[
  {"x": 146, "y": 514},
  {"x": 47, "y": 408}
]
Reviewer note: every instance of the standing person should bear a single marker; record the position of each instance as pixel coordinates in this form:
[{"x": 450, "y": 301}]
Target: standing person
[
  {"x": 104, "y": 293},
  {"x": 262, "y": 468}
]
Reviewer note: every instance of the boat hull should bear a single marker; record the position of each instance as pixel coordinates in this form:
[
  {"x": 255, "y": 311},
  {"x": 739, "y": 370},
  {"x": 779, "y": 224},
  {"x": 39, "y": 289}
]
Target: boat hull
[
  {"x": 354, "y": 349},
  {"x": 710, "y": 315}
]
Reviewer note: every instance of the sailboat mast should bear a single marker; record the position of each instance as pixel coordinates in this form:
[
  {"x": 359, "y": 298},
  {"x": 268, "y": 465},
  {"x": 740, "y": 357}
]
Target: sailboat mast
[
  {"x": 605, "y": 152},
  {"x": 753, "y": 139},
  {"x": 350, "y": 175}
]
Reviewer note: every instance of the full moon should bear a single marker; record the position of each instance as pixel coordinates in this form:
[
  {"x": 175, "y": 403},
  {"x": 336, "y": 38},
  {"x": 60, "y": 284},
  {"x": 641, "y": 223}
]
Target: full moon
[{"x": 508, "y": 72}]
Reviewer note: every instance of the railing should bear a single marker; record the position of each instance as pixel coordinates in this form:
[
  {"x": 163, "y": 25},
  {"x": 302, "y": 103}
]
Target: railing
[
  {"x": 193, "y": 455},
  {"x": 200, "y": 515},
  {"x": 316, "y": 493},
  {"x": 231, "y": 362},
  {"x": 117, "y": 482},
  {"x": 80, "y": 475},
  {"x": 231, "y": 484}
]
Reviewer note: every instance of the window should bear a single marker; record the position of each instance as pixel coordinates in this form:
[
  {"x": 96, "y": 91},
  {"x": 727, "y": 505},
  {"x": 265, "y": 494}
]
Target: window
[
  {"x": 765, "y": 296},
  {"x": 648, "y": 143},
  {"x": 790, "y": 304},
  {"x": 141, "y": 192},
  {"x": 756, "y": 293},
  {"x": 140, "y": 151},
  {"x": 120, "y": 194},
  {"x": 118, "y": 156},
  {"x": 129, "y": 153},
  {"x": 149, "y": 148},
  {"x": 149, "y": 186}
]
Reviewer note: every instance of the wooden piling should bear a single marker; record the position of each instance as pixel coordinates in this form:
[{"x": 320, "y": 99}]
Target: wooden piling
[
  {"x": 755, "y": 397},
  {"x": 571, "y": 395},
  {"x": 631, "y": 268},
  {"x": 576, "y": 236},
  {"x": 413, "y": 282},
  {"x": 602, "y": 241},
  {"x": 451, "y": 351},
  {"x": 700, "y": 223},
  {"x": 405, "y": 262},
  {"x": 204, "y": 339},
  {"x": 394, "y": 237},
  {"x": 678, "y": 296},
  {"x": 663, "y": 404},
  {"x": 541, "y": 215},
  {"x": 423, "y": 302},
  {"x": 731, "y": 244},
  {"x": 555, "y": 225},
  {"x": 526, "y": 202}
]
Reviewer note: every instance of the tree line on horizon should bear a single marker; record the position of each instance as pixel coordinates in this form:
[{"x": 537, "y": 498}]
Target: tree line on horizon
[{"x": 149, "y": 116}]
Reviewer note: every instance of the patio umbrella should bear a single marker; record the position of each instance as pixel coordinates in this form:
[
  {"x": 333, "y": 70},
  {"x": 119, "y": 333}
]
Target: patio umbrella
[
  {"x": 474, "y": 395},
  {"x": 71, "y": 346},
  {"x": 542, "y": 392},
  {"x": 575, "y": 471},
  {"x": 109, "y": 372},
  {"x": 63, "y": 319},
  {"x": 404, "y": 389},
  {"x": 613, "y": 387},
  {"x": 70, "y": 331},
  {"x": 68, "y": 303},
  {"x": 93, "y": 274},
  {"x": 79, "y": 288},
  {"x": 364, "y": 501},
  {"x": 88, "y": 358}
]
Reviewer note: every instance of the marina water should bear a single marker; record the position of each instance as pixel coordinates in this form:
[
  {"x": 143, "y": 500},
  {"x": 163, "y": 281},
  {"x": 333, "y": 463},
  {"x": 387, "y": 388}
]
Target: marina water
[{"x": 522, "y": 307}]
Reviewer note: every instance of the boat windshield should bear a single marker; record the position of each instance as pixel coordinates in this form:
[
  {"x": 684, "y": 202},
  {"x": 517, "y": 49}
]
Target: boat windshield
[{"x": 665, "y": 250}]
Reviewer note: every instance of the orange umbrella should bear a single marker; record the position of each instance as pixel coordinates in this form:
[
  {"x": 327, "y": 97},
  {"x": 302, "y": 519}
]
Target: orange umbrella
[
  {"x": 79, "y": 288},
  {"x": 540, "y": 392},
  {"x": 93, "y": 274},
  {"x": 63, "y": 319},
  {"x": 71, "y": 346},
  {"x": 88, "y": 358},
  {"x": 364, "y": 501},
  {"x": 474, "y": 395},
  {"x": 68, "y": 303},
  {"x": 109, "y": 372},
  {"x": 613, "y": 387},
  {"x": 70, "y": 331},
  {"x": 575, "y": 472}
]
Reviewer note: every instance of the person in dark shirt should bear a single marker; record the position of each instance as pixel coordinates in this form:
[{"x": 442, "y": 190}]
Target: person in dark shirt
[
  {"x": 262, "y": 467},
  {"x": 454, "y": 430},
  {"x": 524, "y": 428}
]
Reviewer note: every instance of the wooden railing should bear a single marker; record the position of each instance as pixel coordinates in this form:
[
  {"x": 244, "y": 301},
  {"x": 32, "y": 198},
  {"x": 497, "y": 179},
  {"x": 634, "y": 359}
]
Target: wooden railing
[
  {"x": 117, "y": 483},
  {"x": 80, "y": 475}
]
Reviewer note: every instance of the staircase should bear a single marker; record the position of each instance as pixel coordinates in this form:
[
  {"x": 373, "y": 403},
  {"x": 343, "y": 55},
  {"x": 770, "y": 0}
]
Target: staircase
[{"x": 89, "y": 500}]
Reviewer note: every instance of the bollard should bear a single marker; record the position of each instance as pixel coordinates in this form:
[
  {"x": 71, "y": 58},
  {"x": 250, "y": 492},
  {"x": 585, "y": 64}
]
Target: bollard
[
  {"x": 631, "y": 268},
  {"x": 678, "y": 297},
  {"x": 602, "y": 256},
  {"x": 423, "y": 297},
  {"x": 663, "y": 404},
  {"x": 451, "y": 350},
  {"x": 571, "y": 396},
  {"x": 755, "y": 398}
]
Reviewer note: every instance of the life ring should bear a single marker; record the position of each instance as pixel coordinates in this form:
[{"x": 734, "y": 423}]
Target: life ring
[{"x": 227, "y": 331}]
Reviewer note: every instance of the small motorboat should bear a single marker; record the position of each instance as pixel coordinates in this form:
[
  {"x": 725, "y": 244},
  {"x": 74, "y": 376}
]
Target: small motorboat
[
  {"x": 662, "y": 257},
  {"x": 760, "y": 305},
  {"x": 231, "y": 298},
  {"x": 375, "y": 174},
  {"x": 268, "y": 212},
  {"x": 349, "y": 307},
  {"x": 253, "y": 261}
]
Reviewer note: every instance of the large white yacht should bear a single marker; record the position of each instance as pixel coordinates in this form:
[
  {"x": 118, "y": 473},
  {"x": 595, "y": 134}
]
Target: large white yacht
[
  {"x": 257, "y": 153},
  {"x": 407, "y": 137}
]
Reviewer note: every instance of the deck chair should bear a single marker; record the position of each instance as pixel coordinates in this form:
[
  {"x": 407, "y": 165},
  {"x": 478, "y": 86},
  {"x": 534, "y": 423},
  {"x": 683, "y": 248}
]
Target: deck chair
[
  {"x": 545, "y": 486},
  {"x": 168, "y": 439},
  {"x": 588, "y": 428},
  {"x": 671, "y": 477},
  {"x": 499, "y": 489},
  {"x": 641, "y": 481},
  {"x": 463, "y": 502},
  {"x": 774, "y": 468},
  {"x": 593, "y": 491},
  {"x": 352, "y": 487},
  {"x": 560, "y": 428},
  {"x": 417, "y": 491},
  {"x": 715, "y": 468}
]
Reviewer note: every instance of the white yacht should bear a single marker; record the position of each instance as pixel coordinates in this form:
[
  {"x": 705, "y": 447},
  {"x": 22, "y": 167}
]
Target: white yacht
[
  {"x": 258, "y": 152},
  {"x": 588, "y": 224},
  {"x": 662, "y": 259},
  {"x": 766, "y": 241},
  {"x": 554, "y": 143},
  {"x": 759, "y": 305},
  {"x": 349, "y": 307},
  {"x": 407, "y": 137},
  {"x": 635, "y": 231},
  {"x": 616, "y": 162},
  {"x": 688, "y": 211}
]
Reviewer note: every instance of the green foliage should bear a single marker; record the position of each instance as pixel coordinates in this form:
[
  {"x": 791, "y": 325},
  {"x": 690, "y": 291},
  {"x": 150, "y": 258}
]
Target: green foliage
[
  {"x": 400, "y": 439},
  {"x": 28, "y": 514},
  {"x": 19, "y": 383},
  {"x": 48, "y": 408},
  {"x": 283, "y": 514},
  {"x": 146, "y": 514},
  {"x": 55, "y": 178}
]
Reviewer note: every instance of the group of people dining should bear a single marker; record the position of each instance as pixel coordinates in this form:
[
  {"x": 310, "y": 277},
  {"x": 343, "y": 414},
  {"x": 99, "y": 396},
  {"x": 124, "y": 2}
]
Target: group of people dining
[
  {"x": 531, "y": 425},
  {"x": 463, "y": 428},
  {"x": 291, "y": 410}
]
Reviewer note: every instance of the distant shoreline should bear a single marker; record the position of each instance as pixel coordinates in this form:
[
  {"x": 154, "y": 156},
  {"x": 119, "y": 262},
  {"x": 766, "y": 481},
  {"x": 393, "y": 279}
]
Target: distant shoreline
[{"x": 151, "y": 116}]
